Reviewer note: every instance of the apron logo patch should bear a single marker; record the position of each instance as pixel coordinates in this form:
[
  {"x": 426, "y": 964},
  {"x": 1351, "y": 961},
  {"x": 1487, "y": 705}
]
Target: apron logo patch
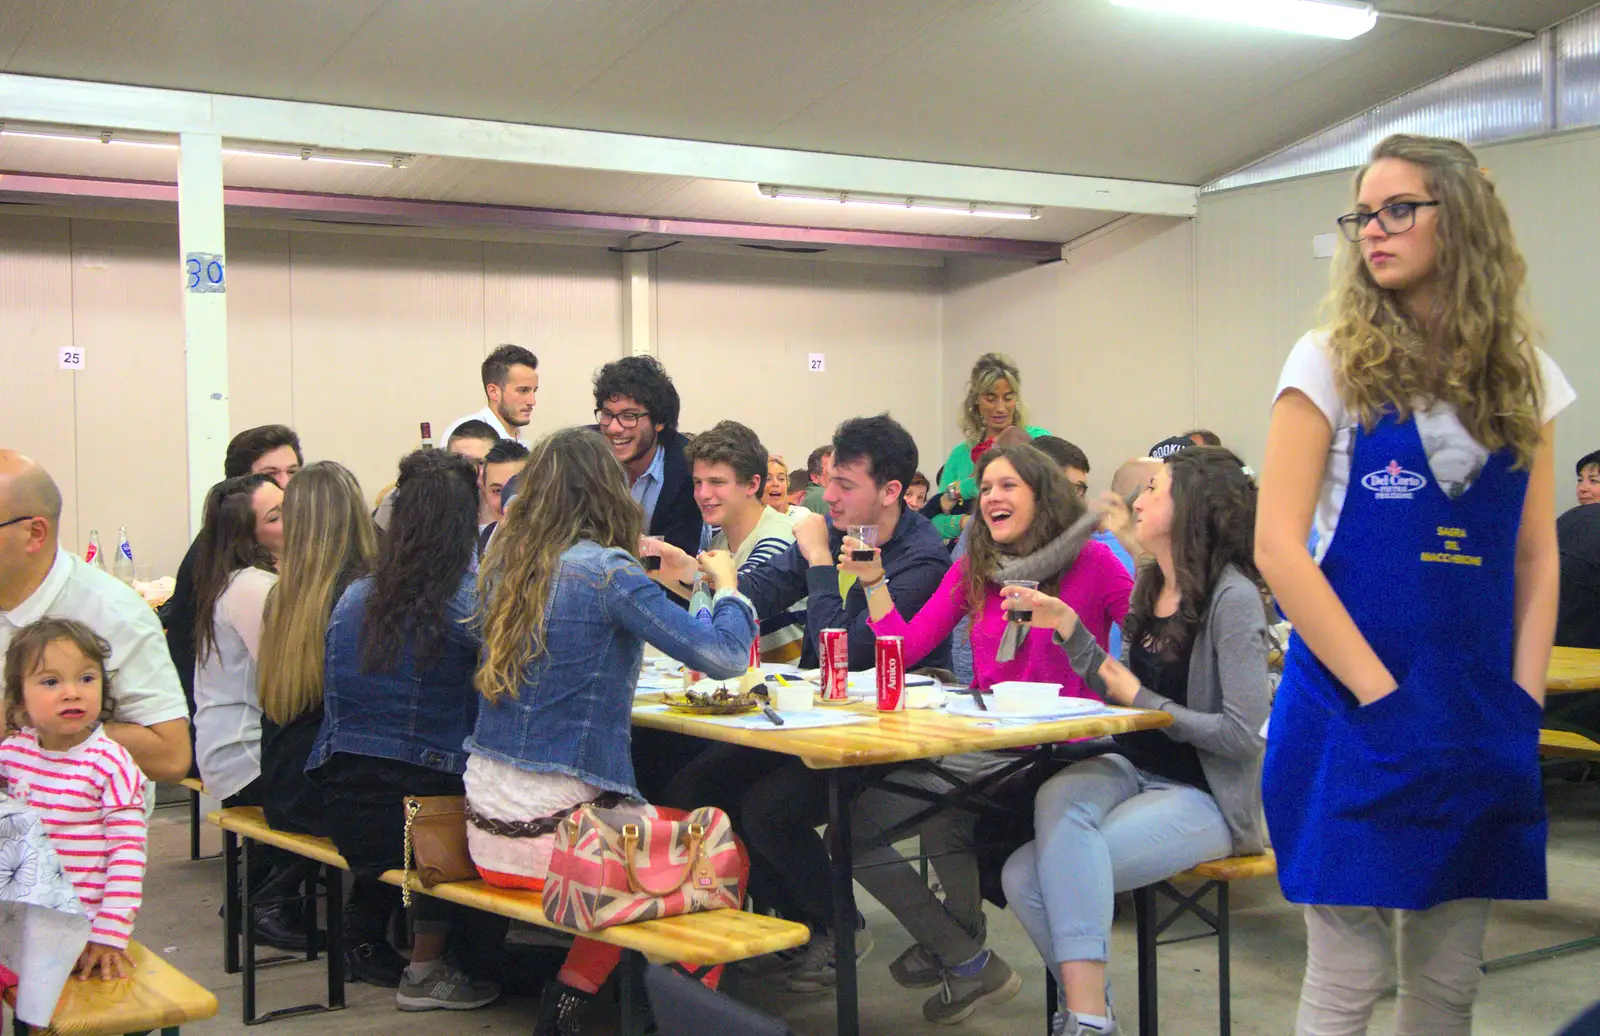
[{"x": 1393, "y": 482}]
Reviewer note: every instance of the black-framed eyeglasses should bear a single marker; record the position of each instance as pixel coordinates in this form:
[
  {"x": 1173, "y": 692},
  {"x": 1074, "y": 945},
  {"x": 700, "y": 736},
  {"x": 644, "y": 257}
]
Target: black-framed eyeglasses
[
  {"x": 1397, "y": 217},
  {"x": 626, "y": 419},
  {"x": 1081, "y": 488},
  {"x": 19, "y": 518}
]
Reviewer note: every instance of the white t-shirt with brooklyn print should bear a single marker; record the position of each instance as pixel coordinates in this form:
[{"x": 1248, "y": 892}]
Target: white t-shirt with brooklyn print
[{"x": 1454, "y": 456}]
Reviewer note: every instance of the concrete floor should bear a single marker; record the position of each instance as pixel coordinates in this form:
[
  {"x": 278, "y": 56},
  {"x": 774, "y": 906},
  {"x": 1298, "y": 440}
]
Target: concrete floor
[{"x": 180, "y": 920}]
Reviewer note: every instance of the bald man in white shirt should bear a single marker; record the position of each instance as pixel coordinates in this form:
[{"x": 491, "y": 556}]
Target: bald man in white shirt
[{"x": 150, "y": 717}]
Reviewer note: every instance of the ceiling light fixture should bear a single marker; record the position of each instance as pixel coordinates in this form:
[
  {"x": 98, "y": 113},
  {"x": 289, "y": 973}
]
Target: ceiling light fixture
[
  {"x": 951, "y": 206},
  {"x": 306, "y": 154},
  {"x": 1340, "y": 21},
  {"x": 86, "y": 136}
]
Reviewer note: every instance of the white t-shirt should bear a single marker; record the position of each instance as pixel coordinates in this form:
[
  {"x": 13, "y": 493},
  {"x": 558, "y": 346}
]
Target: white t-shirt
[
  {"x": 1454, "y": 457},
  {"x": 488, "y": 417}
]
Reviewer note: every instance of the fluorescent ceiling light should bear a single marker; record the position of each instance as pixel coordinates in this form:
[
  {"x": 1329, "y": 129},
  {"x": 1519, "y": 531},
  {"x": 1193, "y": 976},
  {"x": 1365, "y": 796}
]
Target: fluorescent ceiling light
[
  {"x": 87, "y": 137},
  {"x": 1313, "y": 17},
  {"x": 306, "y": 154},
  {"x": 899, "y": 201}
]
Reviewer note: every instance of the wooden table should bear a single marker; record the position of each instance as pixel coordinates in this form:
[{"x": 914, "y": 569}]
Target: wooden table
[
  {"x": 1573, "y": 670},
  {"x": 887, "y": 738}
]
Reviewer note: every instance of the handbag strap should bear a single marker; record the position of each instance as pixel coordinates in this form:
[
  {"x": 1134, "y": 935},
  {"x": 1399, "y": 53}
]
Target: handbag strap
[
  {"x": 412, "y": 807},
  {"x": 539, "y": 826},
  {"x": 630, "y": 846}
]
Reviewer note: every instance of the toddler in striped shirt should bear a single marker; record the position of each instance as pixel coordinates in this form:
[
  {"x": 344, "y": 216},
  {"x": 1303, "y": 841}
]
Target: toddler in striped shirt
[{"x": 85, "y": 787}]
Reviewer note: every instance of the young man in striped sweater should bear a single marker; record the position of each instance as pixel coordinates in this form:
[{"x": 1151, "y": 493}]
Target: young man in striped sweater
[
  {"x": 85, "y": 787},
  {"x": 729, "y": 467}
]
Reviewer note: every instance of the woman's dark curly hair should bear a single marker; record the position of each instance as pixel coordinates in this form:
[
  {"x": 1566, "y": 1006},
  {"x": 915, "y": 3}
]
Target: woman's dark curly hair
[
  {"x": 1213, "y": 526},
  {"x": 425, "y": 553}
]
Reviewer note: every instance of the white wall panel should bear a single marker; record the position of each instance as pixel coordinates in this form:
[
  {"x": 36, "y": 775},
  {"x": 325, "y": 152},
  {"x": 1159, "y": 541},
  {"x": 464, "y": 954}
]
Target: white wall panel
[
  {"x": 563, "y": 303},
  {"x": 735, "y": 332},
  {"x": 36, "y": 397}
]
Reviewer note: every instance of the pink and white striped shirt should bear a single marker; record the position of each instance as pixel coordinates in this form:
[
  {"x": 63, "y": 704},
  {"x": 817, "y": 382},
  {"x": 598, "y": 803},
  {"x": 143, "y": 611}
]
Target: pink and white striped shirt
[{"x": 91, "y": 800}]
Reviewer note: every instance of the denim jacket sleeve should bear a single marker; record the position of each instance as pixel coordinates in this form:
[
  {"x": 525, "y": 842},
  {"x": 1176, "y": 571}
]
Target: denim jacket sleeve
[{"x": 635, "y": 602}]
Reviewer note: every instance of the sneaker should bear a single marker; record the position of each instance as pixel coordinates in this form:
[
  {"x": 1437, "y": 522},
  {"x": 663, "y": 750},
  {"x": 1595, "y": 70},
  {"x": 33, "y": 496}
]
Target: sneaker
[
  {"x": 775, "y": 963},
  {"x": 1066, "y": 1024},
  {"x": 917, "y": 968},
  {"x": 561, "y": 1011},
  {"x": 375, "y": 963},
  {"x": 816, "y": 971},
  {"x": 995, "y": 983},
  {"x": 445, "y": 988}
]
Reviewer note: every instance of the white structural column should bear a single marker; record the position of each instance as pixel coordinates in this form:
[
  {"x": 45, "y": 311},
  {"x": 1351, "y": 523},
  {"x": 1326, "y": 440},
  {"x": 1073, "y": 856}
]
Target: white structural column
[
  {"x": 639, "y": 308},
  {"x": 203, "y": 280}
]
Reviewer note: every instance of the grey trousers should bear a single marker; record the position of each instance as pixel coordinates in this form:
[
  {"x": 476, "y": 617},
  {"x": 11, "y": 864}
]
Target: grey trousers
[
  {"x": 1351, "y": 953},
  {"x": 952, "y": 929}
]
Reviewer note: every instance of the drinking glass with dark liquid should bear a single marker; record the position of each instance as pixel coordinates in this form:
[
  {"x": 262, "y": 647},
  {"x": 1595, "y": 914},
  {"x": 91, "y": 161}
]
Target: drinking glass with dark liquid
[
  {"x": 868, "y": 535},
  {"x": 650, "y": 556},
  {"x": 1021, "y": 616}
]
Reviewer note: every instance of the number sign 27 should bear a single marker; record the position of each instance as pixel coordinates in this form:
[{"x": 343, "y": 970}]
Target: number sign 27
[
  {"x": 817, "y": 363},
  {"x": 203, "y": 273}
]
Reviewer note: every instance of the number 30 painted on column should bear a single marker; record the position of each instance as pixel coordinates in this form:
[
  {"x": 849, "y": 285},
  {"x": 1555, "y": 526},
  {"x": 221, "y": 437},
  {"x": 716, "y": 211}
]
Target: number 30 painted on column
[{"x": 204, "y": 273}]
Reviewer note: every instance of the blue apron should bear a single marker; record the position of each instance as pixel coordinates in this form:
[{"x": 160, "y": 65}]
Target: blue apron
[{"x": 1433, "y": 792}]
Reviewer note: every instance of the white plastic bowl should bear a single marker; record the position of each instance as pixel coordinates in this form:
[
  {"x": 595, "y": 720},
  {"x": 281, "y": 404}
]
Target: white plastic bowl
[{"x": 1023, "y": 698}]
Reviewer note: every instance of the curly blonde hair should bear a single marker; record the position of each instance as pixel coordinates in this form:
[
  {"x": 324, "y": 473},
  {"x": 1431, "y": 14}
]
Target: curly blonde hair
[
  {"x": 990, "y": 368},
  {"x": 1475, "y": 353},
  {"x": 574, "y": 490}
]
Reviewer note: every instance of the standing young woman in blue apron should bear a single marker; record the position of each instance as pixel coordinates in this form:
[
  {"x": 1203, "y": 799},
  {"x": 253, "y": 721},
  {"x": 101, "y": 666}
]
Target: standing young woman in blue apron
[{"x": 1415, "y": 435}]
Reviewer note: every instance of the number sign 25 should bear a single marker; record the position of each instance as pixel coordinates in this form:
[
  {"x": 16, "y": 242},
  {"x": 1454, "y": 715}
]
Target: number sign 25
[{"x": 203, "y": 273}]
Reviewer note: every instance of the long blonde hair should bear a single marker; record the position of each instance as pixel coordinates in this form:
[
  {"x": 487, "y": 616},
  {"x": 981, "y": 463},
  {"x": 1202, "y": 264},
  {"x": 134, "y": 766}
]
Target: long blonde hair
[
  {"x": 573, "y": 489},
  {"x": 990, "y": 368},
  {"x": 329, "y": 541},
  {"x": 1476, "y": 352}
]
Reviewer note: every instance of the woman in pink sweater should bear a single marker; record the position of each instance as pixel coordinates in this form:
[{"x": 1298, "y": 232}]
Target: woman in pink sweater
[{"x": 1031, "y": 525}]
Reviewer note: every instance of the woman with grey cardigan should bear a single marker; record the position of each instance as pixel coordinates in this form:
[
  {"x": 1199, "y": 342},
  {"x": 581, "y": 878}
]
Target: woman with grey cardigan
[{"x": 1195, "y": 646}]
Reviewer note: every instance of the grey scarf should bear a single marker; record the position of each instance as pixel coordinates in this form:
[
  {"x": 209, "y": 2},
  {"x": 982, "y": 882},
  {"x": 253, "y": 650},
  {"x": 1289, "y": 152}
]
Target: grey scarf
[{"x": 1043, "y": 565}]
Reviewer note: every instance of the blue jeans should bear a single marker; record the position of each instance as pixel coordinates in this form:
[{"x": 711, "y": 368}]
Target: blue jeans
[{"x": 1101, "y": 827}]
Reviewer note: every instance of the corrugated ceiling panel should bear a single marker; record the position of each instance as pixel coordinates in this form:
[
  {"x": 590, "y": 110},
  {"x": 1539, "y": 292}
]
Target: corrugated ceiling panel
[{"x": 1578, "y": 71}]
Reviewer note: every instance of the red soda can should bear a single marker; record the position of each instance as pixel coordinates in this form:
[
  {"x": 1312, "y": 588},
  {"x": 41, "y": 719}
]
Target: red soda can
[
  {"x": 891, "y": 660},
  {"x": 834, "y": 658}
]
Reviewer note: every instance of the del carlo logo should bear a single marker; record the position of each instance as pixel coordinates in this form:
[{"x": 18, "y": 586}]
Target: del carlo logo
[{"x": 1393, "y": 482}]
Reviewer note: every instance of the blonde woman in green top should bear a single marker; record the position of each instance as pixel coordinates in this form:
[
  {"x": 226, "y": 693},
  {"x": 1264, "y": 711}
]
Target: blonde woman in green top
[{"x": 993, "y": 405}]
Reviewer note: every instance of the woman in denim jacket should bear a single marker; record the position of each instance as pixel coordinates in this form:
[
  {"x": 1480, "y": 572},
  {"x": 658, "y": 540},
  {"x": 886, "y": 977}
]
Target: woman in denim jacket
[
  {"x": 398, "y": 703},
  {"x": 566, "y": 611}
]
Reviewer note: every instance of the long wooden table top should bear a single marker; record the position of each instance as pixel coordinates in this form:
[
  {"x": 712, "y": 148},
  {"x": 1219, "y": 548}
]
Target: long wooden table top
[
  {"x": 897, "y": 737},
  {"x": 158, "y": 996},
  {"x": 712, "y": 937},
  {"x": 1572, "y": 670}
]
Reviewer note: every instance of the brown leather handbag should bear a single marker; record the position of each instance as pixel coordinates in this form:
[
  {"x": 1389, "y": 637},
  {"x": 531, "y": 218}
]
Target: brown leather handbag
[{"x": 436, "y": 841}]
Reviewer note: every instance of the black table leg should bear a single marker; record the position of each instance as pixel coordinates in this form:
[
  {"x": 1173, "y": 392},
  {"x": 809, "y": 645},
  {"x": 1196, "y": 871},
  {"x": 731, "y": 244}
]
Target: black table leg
[
  {"x": 1144, "y": 908},
  {"x": 841, "y": 794},
  {"x": 247, "y": 918},
  {"x": 194, "y": 825}
]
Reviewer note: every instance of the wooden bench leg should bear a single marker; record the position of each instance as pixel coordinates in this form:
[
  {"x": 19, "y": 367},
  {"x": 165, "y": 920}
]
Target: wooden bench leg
[
  {"x": 247, "y": 922},
  {"x": 1144, "y": 905},
  {"x": 231, "y": 910},
  {"x": 1224, "y": 977},
  {"x": 333, "y": 881}
]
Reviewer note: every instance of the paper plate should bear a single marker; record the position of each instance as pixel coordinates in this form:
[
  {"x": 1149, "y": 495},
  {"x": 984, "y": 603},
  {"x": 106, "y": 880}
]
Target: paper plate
[{"x": 1068, "y": 708}]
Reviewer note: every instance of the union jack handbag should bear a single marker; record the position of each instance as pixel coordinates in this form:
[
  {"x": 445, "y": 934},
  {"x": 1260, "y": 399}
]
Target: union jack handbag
[{"x": 614, "y": 866}]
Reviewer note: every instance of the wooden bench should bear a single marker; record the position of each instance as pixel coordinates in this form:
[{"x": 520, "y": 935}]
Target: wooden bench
[
  {"x": 1566, "y": 744},
  {"x": 1214, "y": 877},
  {"x": 700, "y": 941},
  {"x": 158, "y": 996},
  {"x": 241, "y": 826}
]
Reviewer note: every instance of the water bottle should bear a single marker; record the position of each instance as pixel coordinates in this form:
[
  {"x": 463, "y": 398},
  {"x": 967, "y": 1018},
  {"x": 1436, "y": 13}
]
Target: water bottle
[
  {"x": 92, "y": 556},
  {"x": 700, "y": 600},
  {"x": 122, "y": 564}
]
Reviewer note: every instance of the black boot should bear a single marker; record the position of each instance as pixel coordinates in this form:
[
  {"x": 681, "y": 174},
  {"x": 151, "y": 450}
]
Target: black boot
[
  {"x": 561, "y": 1011},
  {"x": 281, "y": 929},
  {"x": 375, "y": 963}
]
